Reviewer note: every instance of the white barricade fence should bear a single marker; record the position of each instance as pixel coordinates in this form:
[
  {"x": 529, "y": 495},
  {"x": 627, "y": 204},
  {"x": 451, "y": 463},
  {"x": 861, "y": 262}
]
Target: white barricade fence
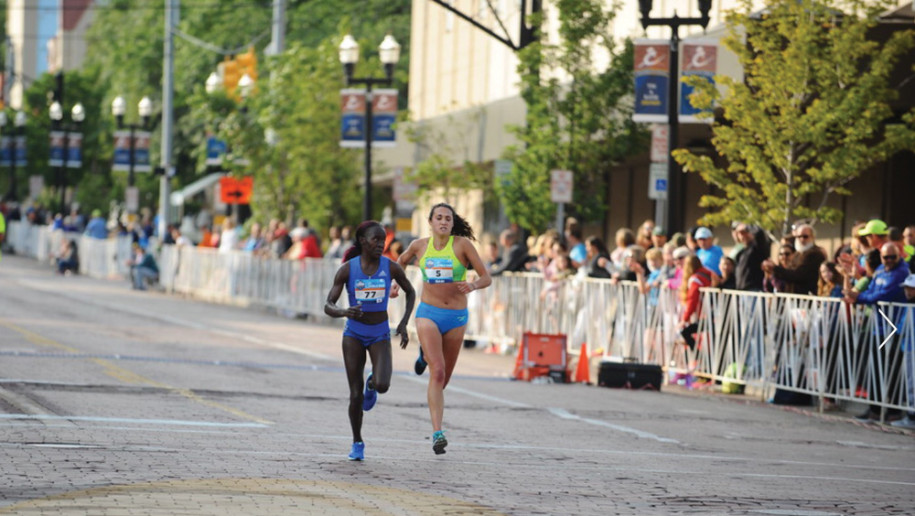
[{"x": 821, "y": 347}]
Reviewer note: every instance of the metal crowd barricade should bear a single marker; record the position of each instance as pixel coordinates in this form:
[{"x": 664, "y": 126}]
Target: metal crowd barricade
[{"x": 805, "y": 344}]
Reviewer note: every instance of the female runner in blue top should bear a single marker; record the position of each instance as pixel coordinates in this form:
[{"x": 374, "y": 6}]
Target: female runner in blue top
[
  {"x": 367, "y": 276},
  {"x": 441, "y": 317}
]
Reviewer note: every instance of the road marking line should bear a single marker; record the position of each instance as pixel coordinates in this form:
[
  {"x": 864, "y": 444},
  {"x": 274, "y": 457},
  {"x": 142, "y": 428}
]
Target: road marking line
[
  {"x": 178, "y": 422},
  {"x": 564, "y": 414},
  {"x": 130, "y": 377}
]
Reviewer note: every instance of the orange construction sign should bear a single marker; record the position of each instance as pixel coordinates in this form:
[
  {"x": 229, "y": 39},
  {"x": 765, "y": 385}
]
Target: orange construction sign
[{"x": 234, "y": 190}]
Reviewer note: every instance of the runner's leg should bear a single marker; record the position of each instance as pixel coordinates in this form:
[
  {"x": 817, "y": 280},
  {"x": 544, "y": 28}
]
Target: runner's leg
[
  {"x": 431, "y": 341},
  {"x": 354, "y": 361}
]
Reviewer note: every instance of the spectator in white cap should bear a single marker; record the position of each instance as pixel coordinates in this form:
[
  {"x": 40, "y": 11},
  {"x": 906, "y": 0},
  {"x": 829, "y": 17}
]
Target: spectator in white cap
[
  {"x": 709, "y": 253},
  {"x": 680, "y": 254}
]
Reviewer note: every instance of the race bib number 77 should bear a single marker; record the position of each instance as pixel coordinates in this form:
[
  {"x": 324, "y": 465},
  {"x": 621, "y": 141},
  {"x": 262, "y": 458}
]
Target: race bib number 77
[{"x": 370, "y": 291}]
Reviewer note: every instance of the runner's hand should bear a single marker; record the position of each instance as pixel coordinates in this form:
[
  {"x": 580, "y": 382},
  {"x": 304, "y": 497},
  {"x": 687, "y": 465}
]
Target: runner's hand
[
  {"x": 404, "y": 336},
  {"x": 353, "y": 312},
  {"x": 465, "y": 287},
  {"x": 395, "y": 291}
]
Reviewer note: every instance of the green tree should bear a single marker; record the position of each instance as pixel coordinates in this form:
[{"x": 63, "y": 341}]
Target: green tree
[
  {"x": 813, "y": 112},
  {"x": 577, "y": 118}
]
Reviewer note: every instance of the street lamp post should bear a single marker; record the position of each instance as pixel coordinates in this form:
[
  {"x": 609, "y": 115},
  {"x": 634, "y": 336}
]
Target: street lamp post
[
  {"x": 77, "y": 114},
  {"x": 118, "y": 108},
  {"x": 674, "y": 189},
  {"x": 389, "y": 53},
  {"x": 17, "y": 129}
]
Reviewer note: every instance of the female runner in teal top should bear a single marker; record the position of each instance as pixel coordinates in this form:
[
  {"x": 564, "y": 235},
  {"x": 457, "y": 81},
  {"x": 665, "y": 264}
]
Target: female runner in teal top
[{"x": 442, "y": 314}]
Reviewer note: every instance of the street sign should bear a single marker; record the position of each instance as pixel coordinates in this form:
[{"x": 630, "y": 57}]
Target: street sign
[
  {"x": 561, "y": 186},
  {"x": 501, "y": 169},
  {"x": 657, "y": 181},
  {"x": 659, "y": 143},
  {"x": 236, "y": 190}
]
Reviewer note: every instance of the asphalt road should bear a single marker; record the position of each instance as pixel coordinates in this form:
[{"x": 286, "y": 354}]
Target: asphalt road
[{"x": 121, "y": 402}]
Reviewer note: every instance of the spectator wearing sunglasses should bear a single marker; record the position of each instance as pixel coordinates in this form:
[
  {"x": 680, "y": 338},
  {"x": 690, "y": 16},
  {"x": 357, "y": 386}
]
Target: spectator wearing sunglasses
[
  {"x": 803, "y": 272},
  {"x": 887, "y": 282}
]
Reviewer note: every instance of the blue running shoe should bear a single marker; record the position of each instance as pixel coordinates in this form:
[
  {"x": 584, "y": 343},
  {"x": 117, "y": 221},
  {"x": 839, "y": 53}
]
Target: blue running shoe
[
  {"x": 420, "y": 366},
  {"x": 358, "y": 451},
  {"x": 439, "y": 442},
  {"x": 370, "y": 396}
]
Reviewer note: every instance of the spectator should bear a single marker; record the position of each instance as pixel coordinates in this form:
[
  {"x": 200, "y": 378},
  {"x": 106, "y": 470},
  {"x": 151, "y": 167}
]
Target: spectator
[
  {"x": 802, "y": 273},
  {"x": 556, "y": 272},
  {"x": 908, "y": 353},
  {"x": 894, "y": 235},
  {"x": 887, "y": 282},
  {"x": 658, "y": 237},
  {"x": 577, "y": 252},
  {"x": 97, "y": 226},
  {"x": 736, "y": 238},
  {"x": 624, "y": 238},
  {"x": 228, "y": 237},
  {"x": 748, "y": 273},
  {"x": 311, "y": 246},
  {"x": 680, "y": 255},
  {"x": 598, "y": 258},
  {"x": 887, "y": 287},
  {"x": 690, "y": 236},
  {"x": 707, "y": 252},
  {"x": 514, "y": 253},
  {"x": 770, "y": 282},
  {"x": 68, "y": 261},
  {"x": 179, "y": 239},
  {"x": 282, "y": 240},
  {"x": 651, "y": 284},
  {"x": 491, "y": 256},
  {"x": 634, "y": 255},
  {"x": 831, "y": 281},
  {"x": 697, "y": 277},
  {"x": 646, "y": 230},
  {"x": 875, "y": 232},
  {"x": 143, "y": 267},
  {"x": 727, "y": 266},
  {"x": 336, "y": 248},
  {"x": 908, "y": 244},
  {"x": 396, "y": 249},
  {"x": 296, "y": 250}
]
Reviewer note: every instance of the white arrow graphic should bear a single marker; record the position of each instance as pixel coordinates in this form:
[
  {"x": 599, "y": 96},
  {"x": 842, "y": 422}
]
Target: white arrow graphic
[{"x": 888, "y": 321}]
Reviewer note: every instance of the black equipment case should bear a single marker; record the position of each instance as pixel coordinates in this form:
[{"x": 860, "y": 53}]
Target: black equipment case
[{"x": 630, "y": 375}]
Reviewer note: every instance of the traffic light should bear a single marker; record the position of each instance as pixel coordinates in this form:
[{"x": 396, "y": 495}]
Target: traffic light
[
  {"x": 230, "y": 75},
  {"x": 247, "y": 64}
]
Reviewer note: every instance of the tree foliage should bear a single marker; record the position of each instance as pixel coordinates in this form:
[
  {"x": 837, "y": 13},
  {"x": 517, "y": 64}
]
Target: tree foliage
[
  {"x": 577, "y": 118},
  {"x": 813, "y": 112},
  {"x": 125, "y": 58}
]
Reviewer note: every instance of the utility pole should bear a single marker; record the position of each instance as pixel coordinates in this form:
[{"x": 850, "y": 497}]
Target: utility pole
[
  {"x": 171, "y": 19},
  {"x": 278, "y": 36}
]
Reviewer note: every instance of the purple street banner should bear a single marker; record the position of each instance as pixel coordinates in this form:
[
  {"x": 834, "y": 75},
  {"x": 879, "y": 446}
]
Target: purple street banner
[
  {"x": 352, "y": 108},
  {"x": 384, "y": 114},
  {"x": 700, "y": 58},
  {"x": 652, "y": 70},
  {"x": 75, "y": 150}
]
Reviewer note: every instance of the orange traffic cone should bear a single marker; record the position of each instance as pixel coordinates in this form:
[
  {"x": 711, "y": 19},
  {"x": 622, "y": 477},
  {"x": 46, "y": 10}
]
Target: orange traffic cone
[
  {"x": 518, "y": 374},
  {"x": 583, "y": 371}
]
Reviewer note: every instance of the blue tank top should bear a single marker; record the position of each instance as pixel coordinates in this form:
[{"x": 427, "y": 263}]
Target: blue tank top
[{"x": 371, "y": 292}]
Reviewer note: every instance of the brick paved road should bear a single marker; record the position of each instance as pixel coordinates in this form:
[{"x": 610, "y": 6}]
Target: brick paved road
[{"x": 119, "y": 402}]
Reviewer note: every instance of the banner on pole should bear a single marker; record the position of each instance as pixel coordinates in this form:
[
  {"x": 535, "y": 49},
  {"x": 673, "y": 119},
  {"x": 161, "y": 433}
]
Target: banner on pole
[
  {"x": 700, "y": 58},
  {"x": 384, "y": 114},
  {"x": 352, "y": 129},
  {"x": 75, "y": 150},
  {"x": 652, "y": 71},
  {"x": 121, "y": 160}
]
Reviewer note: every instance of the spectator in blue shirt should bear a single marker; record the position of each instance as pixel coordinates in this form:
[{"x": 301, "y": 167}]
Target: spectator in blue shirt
[
  {"x": 97, "y": 226},
  {"x": 709, "y": 253},
  {"x": 888, "y": 279}
]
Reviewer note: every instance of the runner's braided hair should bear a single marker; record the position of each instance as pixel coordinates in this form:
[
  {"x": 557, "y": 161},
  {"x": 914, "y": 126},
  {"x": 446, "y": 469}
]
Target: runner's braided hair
[
  {"x": 461, "y": 227},
  {"x": 356, "y": 248}
]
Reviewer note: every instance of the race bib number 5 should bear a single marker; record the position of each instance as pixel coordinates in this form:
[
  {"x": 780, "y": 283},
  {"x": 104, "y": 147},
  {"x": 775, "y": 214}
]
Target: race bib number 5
[
  {"x": 439, "y": 270},
  {"x": 370, "y": 291}
]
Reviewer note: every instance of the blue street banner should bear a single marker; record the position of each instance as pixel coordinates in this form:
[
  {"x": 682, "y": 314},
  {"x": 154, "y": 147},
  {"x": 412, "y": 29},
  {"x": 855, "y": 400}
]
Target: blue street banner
[
  {"x": 652, "y": 70},
  {"x": 57, "y": 150},
  {"x": 19, "y": 155},
  {"x": 121, "y": 160},
  {"x": 216, "y": 151},
  {"x": 384, "y": 115},
  {"x": 141, "y": 142},
  {"x": 5, "y": 151},
  {"x": 75, "y": 150},
  {"x": 352, "y": 128},
  {"x": 700, "y": 58}
]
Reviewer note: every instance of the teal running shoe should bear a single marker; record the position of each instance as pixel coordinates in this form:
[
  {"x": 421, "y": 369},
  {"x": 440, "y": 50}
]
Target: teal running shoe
[
  {"x": 439, "y": 442},
  {"x": 420, "y": 366},
  {"x": 369, "y": 396},
  {"x": 358, "y": 451}
]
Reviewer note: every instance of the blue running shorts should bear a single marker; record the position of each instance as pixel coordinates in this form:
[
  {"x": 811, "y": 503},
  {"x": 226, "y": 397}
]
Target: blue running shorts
[
  {"x": 446, "y": 319},
  {"x": 367, "y": 334}
]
